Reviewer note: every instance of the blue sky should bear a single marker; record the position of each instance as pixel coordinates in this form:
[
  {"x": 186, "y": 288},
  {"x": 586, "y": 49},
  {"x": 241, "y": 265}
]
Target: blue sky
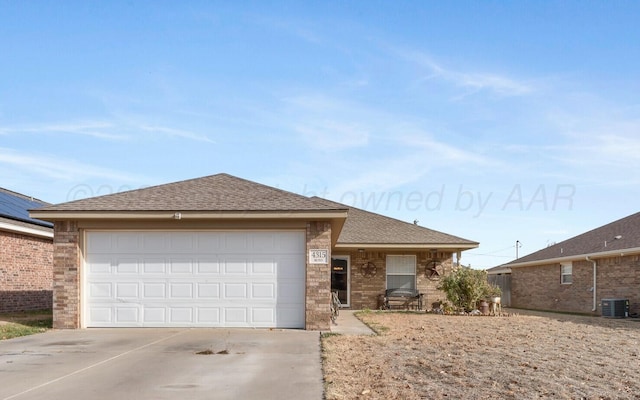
[{"x": 494, "y": 121}]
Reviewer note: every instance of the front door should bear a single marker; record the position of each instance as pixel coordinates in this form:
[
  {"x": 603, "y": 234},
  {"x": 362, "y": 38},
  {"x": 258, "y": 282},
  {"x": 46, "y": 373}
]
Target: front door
[{"x": 340, "y": 278}]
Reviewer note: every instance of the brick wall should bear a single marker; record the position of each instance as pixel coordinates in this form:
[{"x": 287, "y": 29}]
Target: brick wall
[
  {"x": 365, "y": 290},
  {"x": 66, "y": 283},
  {"x": 26, "y": 276},
  {"x": 540, "y": 288},
  {"x": 318, "y": 310}
]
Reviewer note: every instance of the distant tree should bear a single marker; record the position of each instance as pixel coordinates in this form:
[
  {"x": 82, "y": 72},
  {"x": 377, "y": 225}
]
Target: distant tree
[{"x": 465, "y": 286}]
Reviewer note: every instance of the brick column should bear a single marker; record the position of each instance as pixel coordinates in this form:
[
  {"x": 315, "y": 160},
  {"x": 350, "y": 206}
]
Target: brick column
[
  {"x": 318, "y": 300},
  {"x": 66, "y": 282}
]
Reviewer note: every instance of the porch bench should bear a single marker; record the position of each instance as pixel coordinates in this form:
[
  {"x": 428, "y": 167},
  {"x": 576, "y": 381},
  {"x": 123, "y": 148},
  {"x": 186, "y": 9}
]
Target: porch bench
[{"x": 401, "y": 299}]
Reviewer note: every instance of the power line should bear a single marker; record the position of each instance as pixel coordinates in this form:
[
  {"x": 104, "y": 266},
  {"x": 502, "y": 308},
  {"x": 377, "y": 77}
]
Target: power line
[{"x": 492, "y": 252}]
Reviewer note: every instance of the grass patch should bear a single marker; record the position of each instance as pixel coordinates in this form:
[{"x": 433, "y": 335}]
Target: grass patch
[
  {"x": 23, "y": 324},
  {"x": 375, "y": 327}
]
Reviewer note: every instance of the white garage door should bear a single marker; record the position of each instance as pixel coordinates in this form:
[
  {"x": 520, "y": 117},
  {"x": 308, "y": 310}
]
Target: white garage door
[{"x": 204, "y": 279}]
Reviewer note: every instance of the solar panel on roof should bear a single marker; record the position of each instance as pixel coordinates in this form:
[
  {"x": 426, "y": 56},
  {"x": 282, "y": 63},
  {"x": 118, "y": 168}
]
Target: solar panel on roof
[{"x": 16, "y": 207}]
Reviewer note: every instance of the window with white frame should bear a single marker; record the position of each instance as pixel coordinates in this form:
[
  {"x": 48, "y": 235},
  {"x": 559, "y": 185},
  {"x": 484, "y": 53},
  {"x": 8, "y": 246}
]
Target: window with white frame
[
  {"x": 401, "y": 272},
  {"x": 566, "y": 271}
]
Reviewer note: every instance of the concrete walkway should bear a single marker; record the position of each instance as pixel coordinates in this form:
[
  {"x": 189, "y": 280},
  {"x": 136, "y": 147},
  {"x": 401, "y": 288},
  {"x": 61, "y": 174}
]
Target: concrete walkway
[{"x": 348, "y": 324}]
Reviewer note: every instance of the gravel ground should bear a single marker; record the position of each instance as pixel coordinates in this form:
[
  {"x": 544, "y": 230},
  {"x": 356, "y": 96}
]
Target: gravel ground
[{"x": 527, "y": 355}]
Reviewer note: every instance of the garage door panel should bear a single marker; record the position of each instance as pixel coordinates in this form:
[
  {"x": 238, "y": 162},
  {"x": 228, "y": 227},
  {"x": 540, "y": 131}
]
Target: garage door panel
[
  {"x": 208, "y": 290},
  {"x": 208, "y": 266},
  {"x": 155, "y": 315},
  {"x": 126, "y": 266},
  {"x": 289, "y": 316},
  {"x": 266, "y": 267},
  {"x": 181, "y": 242},
  {"x": 235, "y": 242},
  {"x": 263, "y": 291},
  {"x": 181, "y": 315},
  {"x": 235, "y": 290},
  {"x": 153, "y": 242},
  {"x": 181, "y": 291},
  {"x": 236, "y": 316},
  {"x": 290, "y": 292},
  {"x": 154, "y": 290},
  {"x": 101, "y": 290},
  {"x": 209, "y": 316},
  {"x": 101, "y": 316},
  {"x": 99, "y": 265},
  {"x": 289, "y": 267},
  {"x": 127, "y": 315},
  {"x": 208, "y": 242},
  {"x": 152, "y": 266},
  {"x": 263, "y": 316},
  {"x": 180, "y": 266},
  {"x": 126, "y": 243},
  {"x": 216, "y": 279},
  {"x": 235, "y": 267},
  {"x": 126, "y": 290}
]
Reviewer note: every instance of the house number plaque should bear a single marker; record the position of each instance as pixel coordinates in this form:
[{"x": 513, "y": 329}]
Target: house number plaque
[{"x": 318, "y": 256}]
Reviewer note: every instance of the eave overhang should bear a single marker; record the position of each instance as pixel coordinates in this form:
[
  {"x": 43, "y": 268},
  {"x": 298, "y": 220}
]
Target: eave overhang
[
  {"x": 26, "y": 230},
  {"x": 406, "y": 246}
]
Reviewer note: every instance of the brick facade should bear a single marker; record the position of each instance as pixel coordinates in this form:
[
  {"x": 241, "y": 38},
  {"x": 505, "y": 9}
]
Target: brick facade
[
  {"x": 66, "y": 275},
  {"x": 539, "y": 287},
  {"x": 318, "y": 290},
  {"x": 26, "y": 277},
  {"x": 365, "y": 290}
]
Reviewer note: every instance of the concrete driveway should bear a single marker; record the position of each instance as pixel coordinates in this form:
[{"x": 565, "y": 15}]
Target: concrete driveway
[{"x": 162, "y": 364}]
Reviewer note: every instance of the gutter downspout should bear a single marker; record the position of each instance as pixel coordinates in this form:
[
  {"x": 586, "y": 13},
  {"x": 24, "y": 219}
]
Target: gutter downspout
[{"x": 595, "y": 269}]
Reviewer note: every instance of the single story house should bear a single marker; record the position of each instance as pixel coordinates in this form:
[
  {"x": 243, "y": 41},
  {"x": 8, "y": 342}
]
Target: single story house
[
  {"x": 26, "y": 255},
  {"x": 224, "y": 251},
  {"x": 577, "y": 274}
]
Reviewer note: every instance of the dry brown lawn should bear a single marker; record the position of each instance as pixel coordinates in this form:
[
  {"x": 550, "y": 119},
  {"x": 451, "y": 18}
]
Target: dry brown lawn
[{"x": 525, "y": 356}]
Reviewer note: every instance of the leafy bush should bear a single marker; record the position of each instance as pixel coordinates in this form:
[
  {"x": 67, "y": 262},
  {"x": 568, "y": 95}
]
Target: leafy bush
[{"x": 465, "y": 286}]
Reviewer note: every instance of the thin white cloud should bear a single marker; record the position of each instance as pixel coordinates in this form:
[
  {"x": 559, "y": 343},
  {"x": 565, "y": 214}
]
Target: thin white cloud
[
  {"x": 176, "y": 133},
  {"x": 472, "y": 82},
  {"x": 97, "y": 129},
  {"x": 444, "y": 151},
  {"x": 60, "y": 168},
  {"x": 103, "y": 130},
  {"x": 328, "y": 123}
]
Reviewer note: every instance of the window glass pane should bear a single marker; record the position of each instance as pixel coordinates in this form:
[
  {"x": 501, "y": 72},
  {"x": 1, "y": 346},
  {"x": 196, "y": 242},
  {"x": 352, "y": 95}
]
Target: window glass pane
[
  {"x": 401, "y": 265},
  {"x": 401, "y": 272},
  {"x": 566, "y": 271},
  {"x": 401, "y": 282}
]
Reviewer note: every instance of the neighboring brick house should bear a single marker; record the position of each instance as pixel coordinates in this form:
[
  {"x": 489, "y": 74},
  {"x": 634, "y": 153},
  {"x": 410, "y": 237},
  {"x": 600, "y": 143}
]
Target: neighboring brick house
[
  {"x": 26, "y": 255},
  {"x": 577, "y": 274},
  {"x": 224, "y": 251}
]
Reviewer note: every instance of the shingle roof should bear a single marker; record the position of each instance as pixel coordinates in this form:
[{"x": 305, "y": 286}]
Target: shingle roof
[
  {"x": 221, "y": 192},
  {"x": 620, "y": 235},
  {"x": 14, "y": 206},
  {"x": 364, "y": 227}
]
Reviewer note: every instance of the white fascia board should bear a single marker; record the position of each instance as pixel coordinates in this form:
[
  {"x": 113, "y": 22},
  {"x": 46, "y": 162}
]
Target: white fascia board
[
  {"x": 160, "y": 215},
  {"x": 26, "y": 230},
  {"x": 577, "y": 257},
  {"x": 425, "y": 246}
]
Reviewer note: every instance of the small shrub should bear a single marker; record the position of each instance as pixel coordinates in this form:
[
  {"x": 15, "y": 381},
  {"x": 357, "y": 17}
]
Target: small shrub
[{"x": 465, "y": 286}]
